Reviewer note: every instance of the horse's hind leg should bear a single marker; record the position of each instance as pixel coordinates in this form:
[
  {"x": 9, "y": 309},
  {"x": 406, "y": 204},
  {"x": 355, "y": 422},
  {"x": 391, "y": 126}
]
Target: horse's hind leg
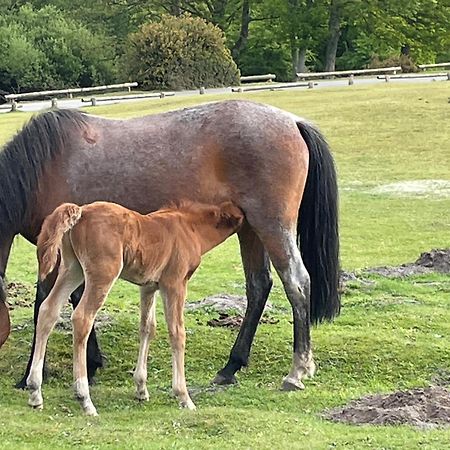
[
  {"x": 68, "y": 280},
  {"x": 147, "y": 333},
  {"x": 258, "y": 284},
  {"x": 289, "y": 265}
]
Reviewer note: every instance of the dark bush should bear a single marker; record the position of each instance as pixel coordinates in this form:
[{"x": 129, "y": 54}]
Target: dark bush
[{"x": 179, "y": 53}]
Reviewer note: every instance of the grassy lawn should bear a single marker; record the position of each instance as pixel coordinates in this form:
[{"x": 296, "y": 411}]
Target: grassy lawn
[{"x": 391, "y": 335}]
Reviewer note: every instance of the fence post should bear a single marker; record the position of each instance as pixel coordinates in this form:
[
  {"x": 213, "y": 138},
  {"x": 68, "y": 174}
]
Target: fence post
[
  {"x": 448, "y": 76},
  {"x": 54, "y": 104},
  {"x": 351, "y": 80},
  {"x": 93, "y": 101},
  {"x": 387, "y": 78},
  {"x": 310, "y": 85},
  {"x": 202, "y": 90},
  {"x": 162, "y": 95},
  {"x": 13, "y": 106}
]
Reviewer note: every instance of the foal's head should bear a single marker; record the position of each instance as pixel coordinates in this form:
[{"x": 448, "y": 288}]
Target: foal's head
[{"x": 213, "y": 223}]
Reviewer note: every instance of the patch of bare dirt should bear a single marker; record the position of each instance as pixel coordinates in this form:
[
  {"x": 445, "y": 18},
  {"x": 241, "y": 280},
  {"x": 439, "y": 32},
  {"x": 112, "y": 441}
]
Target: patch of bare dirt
[
  {"x": 19, "y": 294},
  {"x": 223, "y": 303},
  {"x": 64, "y": 323},
  {"x": 423, "y": 408},
  {"x": 225, "y": 320}
]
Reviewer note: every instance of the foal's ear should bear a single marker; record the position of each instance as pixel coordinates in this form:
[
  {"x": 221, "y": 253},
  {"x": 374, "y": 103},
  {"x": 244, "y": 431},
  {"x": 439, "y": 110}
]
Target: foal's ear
[{"x": 230, "y": 216}]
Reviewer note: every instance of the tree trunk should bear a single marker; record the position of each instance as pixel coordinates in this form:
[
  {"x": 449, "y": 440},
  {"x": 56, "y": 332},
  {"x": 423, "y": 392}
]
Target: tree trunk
[
  {"x": 241, "y": 42},
  {"x": 298, "y": 59},
  {"x": 334, "y": 32}
]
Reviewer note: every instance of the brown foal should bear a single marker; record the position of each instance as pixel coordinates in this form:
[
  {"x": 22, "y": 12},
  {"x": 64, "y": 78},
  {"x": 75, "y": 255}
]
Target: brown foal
[{"x": 102, "y": 242}]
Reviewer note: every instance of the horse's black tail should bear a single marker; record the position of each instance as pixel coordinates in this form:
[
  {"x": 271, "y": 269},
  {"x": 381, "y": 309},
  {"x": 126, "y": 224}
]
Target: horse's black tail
[{"x": 317, "y": 227}]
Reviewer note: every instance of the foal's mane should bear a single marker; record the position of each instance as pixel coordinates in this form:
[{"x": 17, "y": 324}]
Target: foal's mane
[{"x": 22, "y": 160}]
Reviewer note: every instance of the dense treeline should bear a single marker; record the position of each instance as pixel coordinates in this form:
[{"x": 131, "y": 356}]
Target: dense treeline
[{"x": 54, "y": 43}]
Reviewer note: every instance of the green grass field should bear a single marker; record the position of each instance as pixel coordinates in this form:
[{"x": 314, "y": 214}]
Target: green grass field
[{"x": 391, "y": 335}]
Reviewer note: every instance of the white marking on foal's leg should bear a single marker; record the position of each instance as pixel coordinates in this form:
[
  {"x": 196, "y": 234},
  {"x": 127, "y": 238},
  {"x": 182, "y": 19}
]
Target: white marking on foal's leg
[
  {"x": 303, "y": 366},
  {"x": 81, "y": 389}
]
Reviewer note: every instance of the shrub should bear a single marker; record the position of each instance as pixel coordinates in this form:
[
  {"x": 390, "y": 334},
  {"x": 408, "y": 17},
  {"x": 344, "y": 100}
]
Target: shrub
[{"x": 179, "y": 53}]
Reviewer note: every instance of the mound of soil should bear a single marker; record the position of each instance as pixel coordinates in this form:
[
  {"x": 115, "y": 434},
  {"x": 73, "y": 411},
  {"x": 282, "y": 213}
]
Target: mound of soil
[
  {"x": 424, "y": 408},
  {"x": 436, "y": 260}
]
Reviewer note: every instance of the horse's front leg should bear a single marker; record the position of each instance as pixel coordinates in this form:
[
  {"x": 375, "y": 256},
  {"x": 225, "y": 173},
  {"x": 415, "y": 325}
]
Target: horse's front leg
[
  {"x": 258, "y": 285},
  {"x": 147, "y": 333},
  {"x": 174, "y": 296}
]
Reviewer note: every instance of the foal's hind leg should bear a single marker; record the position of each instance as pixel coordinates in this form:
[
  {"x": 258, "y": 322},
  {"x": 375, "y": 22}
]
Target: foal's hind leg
[
  {"x": 97, "y": 288},
  {"x": 68, "y": 280},
  {"x": 174, "y": 296},
  {"x": 258, "y": 285},
  {"x": 94, "y": 357},
  {"x": 147, "y": 333},
  {"x": 42, "y": 290}
]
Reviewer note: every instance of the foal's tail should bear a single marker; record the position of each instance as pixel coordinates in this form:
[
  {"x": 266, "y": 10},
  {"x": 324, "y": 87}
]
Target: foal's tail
[
  {"x": 317, "y": 228},
  {"x": 59, "y": 222}
]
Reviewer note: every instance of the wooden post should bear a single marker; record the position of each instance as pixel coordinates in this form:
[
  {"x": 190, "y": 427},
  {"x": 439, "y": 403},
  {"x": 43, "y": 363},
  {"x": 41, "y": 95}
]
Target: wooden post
[
  {"x": 202, "y": 90},
  {"x": 162, "y": 95},
  {"x": 387, "y": 78},
  {"x": 351, "y": 80},
  {"x": 310, "y": 85},
  {"x": 13, "y": 106},
  {"x": 448, "y": 76},
  {"x": 93, "y": 101},
  {"x": 54, "y": 104},
  {"x": 129, "y": 88}
]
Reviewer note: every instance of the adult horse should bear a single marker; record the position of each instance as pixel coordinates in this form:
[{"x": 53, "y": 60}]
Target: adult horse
[{"x": 275, "y": 166}]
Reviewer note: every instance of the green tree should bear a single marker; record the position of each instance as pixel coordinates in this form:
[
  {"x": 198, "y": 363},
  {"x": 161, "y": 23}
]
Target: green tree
[
  {"x": 42, "y": 49},
  {"x": 180, "y": 53}
]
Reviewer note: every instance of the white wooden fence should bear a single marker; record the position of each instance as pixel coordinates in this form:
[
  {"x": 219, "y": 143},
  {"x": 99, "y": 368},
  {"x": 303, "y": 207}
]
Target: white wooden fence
[{"x": 70, "y": 92}]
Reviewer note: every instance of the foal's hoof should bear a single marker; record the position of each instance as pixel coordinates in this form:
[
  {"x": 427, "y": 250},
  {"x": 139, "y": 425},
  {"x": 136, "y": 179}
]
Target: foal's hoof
[
  {"x": 90, "y": 411},
  {"x": 223, "y": 380},
  {"x": 142, "y": 396},
  {"x": 291, "y": 385},
  {"x": 188, "y": 404}
]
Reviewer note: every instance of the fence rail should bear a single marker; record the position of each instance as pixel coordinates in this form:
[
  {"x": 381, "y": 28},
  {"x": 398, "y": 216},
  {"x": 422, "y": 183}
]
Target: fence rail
[
  {"x": 349, "y": 72},
  {"x": 11, "y": 97},
  {"x": 432, "y": 66},
  {"x": 267, "y": 77}
]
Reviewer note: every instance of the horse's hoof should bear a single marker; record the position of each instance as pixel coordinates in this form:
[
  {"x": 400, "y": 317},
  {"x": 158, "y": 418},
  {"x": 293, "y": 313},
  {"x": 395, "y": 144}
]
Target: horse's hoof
[
  {"x": 92, "y": 381},
  {"x": 291, "y": 385},
  {"x": 223, "y": 380},
  {"x": 36, "y": 402}
]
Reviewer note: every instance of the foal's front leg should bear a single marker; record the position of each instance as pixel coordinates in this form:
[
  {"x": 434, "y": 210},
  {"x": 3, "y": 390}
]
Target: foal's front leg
[
  {"x": 147, "y": 333},
  {"x": 174, "y": 297}
]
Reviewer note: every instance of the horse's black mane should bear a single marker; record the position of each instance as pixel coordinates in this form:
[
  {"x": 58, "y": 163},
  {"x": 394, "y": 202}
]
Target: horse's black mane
[{"x": 22, "y": 160}]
